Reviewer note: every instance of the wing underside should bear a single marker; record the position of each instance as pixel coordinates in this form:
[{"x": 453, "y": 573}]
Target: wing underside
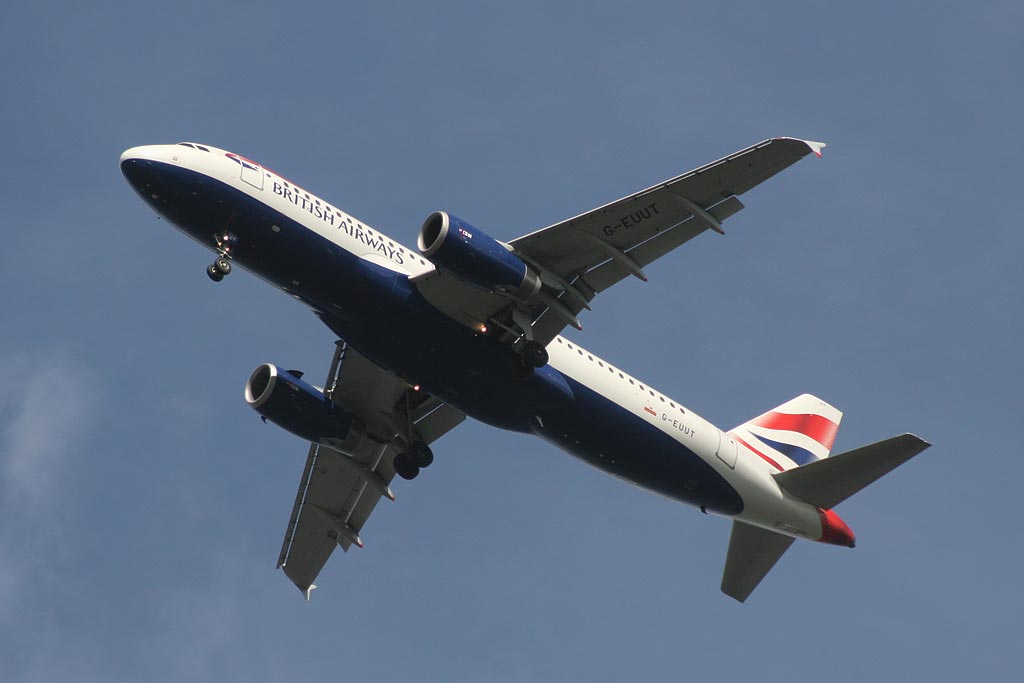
[
  {"x": 584, "y": 255},
  {"x": 338, "y": 491}
]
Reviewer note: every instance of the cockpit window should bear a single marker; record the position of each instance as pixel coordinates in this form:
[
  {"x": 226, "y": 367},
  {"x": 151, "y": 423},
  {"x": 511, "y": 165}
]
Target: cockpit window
[
  {"x": 194, "y": 145},
  {"x": 186, "y": 144},
  {"x": 198, "y": 146}
]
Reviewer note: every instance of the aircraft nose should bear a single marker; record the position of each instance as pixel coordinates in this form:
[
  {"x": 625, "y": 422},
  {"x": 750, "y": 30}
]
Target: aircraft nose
[
  {"x": 141, "y": 167},
  {"x": 144, "y": 153},
  {"x": 834, "y": 530}
]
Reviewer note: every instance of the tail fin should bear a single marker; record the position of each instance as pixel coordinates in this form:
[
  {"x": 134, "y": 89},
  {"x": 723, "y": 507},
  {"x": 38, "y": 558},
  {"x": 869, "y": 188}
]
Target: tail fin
[
  {"x": 827, "y": 483},
  {"x": 798, "y": 432}
]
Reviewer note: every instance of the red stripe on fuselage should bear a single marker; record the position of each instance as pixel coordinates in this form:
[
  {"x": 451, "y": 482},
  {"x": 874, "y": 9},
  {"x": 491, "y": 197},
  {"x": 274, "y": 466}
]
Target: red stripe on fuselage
[{"x": 821, "y": 429}]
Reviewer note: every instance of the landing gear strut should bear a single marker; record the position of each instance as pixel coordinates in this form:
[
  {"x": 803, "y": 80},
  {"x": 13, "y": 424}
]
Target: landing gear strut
[{"x": 222, "y": 266}]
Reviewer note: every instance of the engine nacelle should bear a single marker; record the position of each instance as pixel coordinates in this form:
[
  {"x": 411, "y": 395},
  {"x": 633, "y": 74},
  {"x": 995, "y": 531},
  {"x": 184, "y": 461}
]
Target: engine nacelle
[
  {"x": 475, "y": 257},
  {"x": 302, "y": 409}
]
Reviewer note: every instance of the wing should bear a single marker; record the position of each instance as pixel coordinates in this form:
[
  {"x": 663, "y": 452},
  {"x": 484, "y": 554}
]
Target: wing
[
  {"x": 338, "y": 491},
  {"x": 582, "y": 256}
]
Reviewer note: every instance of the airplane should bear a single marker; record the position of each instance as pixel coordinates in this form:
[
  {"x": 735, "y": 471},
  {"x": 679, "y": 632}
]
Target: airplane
[{"x": 467, "y": 325}]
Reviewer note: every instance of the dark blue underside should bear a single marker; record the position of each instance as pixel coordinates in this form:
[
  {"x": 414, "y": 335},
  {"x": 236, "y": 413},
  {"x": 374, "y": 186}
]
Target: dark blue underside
[
  {"x": 381, "y": 313},
  {"x": 624, "y": 444}
]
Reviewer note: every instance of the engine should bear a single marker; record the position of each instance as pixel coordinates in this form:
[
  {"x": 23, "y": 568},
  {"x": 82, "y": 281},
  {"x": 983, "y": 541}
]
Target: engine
[
  {"x": 303, "y": 410},
  {"x": 471, "y": 255}
]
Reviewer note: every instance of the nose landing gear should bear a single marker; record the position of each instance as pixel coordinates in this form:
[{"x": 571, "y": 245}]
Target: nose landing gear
[
  {"x": 218, "y": 269},
  {"x": 222, "y": 266}
]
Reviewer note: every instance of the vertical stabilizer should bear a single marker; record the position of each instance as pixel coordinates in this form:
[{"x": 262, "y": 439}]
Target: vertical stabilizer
[{"x": 798, "y": 432}]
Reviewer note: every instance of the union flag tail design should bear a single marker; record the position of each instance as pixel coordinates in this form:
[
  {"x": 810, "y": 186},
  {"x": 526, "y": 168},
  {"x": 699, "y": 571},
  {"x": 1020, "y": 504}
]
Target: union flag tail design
[{"x": 796, "y": 433}]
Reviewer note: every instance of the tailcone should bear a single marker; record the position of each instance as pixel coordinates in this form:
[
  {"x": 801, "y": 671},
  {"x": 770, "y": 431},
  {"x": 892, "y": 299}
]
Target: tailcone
[{"x": 835, "y": 531}]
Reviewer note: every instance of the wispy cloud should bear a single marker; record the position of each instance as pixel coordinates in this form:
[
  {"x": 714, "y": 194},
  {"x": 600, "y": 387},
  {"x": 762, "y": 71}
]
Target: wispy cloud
[
  {"x": 217, "y": 624},
  {"x": 47, "y": 405}
]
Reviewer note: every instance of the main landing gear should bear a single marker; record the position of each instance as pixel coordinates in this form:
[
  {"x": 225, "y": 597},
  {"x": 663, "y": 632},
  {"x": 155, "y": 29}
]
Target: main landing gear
[
  {"x": 222, "y": 266},
  {"x": 409, "y": 462},
  {"x": 534, "y": 355}
]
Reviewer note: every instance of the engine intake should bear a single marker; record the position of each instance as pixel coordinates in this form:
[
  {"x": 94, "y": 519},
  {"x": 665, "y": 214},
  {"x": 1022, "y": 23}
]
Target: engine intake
[
  {"x": 475, "y": 257},
  {"x": 302, "y": 409}
]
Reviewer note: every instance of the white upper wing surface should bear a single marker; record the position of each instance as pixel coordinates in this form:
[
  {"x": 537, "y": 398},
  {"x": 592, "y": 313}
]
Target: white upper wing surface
[{"x": 586, "y": 254}]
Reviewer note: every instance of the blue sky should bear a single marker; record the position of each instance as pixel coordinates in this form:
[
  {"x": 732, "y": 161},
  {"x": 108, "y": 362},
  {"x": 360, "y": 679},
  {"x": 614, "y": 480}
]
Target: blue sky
[{"x": 142, "y": 504}]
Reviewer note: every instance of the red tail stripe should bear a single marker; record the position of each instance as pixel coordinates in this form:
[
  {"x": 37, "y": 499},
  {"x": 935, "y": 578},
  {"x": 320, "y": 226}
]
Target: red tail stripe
[{"x": 821, "y": 429}]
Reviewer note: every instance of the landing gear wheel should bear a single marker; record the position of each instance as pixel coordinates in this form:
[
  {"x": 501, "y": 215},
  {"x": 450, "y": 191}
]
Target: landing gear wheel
[
  {"x": 420, "y": 454},
  {"x": 534, "y": 355},
  {"x": 404, "y": 467},
  {"x": 215, "y": 275},
  {"x": 222, "y": 265}
]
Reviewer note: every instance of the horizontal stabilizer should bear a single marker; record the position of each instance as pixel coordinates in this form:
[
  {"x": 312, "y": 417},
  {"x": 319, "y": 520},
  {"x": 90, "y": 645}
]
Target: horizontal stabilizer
[
  {"x": 826, "y": 483},
  {"x": 752, "y": 553}
]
